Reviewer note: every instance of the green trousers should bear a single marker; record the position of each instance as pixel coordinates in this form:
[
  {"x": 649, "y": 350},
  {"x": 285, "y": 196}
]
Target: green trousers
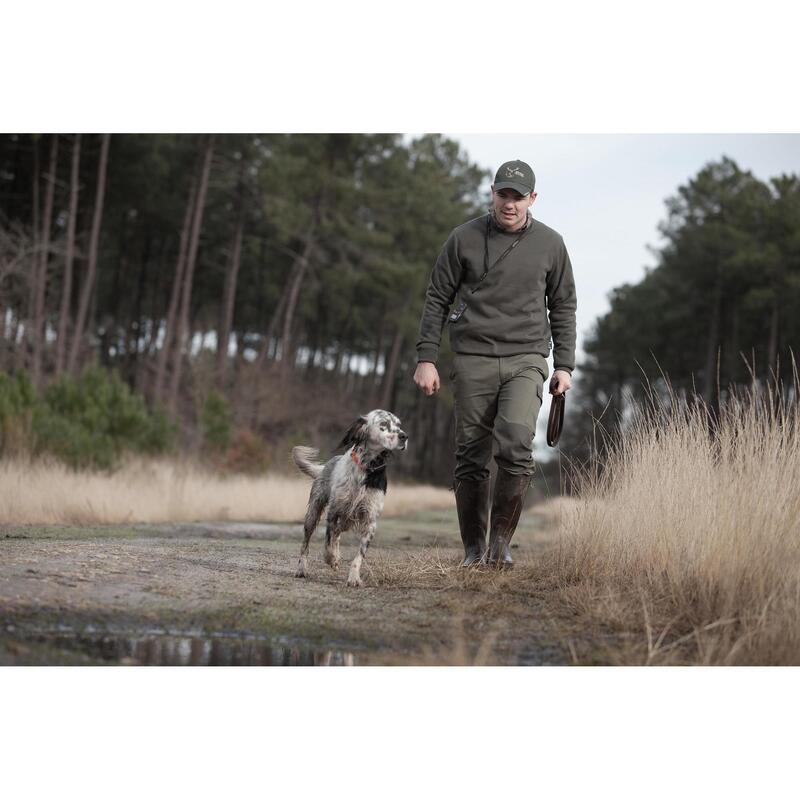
[{"x": 496, "y": 398}]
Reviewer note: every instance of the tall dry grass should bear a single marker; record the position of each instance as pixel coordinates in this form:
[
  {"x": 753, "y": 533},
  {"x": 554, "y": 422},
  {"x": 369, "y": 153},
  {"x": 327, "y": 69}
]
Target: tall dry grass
[
  {"x": 690, "y": 536},
  {"x": 146, "y": 490}
]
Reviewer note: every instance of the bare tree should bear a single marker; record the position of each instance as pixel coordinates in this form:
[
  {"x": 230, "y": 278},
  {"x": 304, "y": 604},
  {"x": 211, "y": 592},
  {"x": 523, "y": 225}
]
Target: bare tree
[
  {"x": 374, "y": 380},
  {"x": 40, "y": 266},
  {"x": 191, "y": 260},
  {"x": 294, "y": 284},
  {"x": 231, "y": 277},
  {"x": 91, "y": 271},
  {"x": 272, "y": 328},
  {"x": 172, "y": 312},
  {"x": 16, "y": 252},
  {"x": 66, "y": 289},
  {"x": 34, "y": 264},
  {"x": 390, "y": 373}
]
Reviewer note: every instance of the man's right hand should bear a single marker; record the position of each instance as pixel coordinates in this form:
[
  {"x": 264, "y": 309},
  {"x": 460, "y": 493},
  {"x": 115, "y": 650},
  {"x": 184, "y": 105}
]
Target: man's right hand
[{"x": 426, "y": 377}]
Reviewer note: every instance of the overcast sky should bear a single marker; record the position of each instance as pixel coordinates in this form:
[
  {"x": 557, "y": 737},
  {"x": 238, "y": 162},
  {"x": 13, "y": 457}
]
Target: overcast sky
[{"x": 605, "y": 194}]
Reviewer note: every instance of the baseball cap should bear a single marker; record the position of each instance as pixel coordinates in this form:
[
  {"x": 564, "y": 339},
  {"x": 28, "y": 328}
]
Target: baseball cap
[{"x": 516, "y": 175}]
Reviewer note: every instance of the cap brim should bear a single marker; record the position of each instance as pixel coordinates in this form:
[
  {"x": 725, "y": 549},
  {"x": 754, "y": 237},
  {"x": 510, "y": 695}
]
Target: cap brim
[{"x": 517, "y": 187}]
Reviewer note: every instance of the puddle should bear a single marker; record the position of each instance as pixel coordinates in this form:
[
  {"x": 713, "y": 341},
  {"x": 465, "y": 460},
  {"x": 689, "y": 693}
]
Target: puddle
[{"x": 167, "y": 649}]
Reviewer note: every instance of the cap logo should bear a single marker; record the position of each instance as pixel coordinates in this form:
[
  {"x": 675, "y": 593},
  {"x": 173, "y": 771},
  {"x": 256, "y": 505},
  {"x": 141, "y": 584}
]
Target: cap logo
[{"x": 514, "y": 172}]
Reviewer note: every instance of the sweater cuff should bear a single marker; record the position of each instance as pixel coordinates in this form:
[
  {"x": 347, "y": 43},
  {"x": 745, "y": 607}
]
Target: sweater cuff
[
  {"x": 427, "y": 352},
  {"x": 566, "y": 369}
]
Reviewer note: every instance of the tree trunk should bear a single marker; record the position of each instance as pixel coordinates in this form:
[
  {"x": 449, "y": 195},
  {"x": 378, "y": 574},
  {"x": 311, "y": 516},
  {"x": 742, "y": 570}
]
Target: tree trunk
[
  {"x": 374, "y": 378},
  {"x": 342, "y": 353},
  {"x": 299, "y": 269},
  {"x": 172, "y": 311},
  {"x": 350, "y": 373},
  {"x": 191, "y": 261},
  {"x": 772, "y": 349},
  {"x": 341, "y": 356},
  {"x": 66, "y": 289},
  {"x": 91, "y": 271},
  {"x": 391, "y": 368},
  {"x": 414, "y": 422},
  {"x": 709, "y": 378},
  {"x": 17, "y": 338},
  {"x": 229, "y": 296},
  {"x": 40, "y": 279},
  {"x": 133, "y": 334},
  {"x": 268, "y": 348},
  {"x": 29, "y": 330},
  {"x": 734, "y": 359},
  {"x": 296, "y": 277}
]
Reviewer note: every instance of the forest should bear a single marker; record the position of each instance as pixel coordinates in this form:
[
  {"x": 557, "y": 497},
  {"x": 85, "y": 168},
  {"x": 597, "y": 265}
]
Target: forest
[
  {"x": 717, "y": 312},
  {"x": 237, "y": 294}
]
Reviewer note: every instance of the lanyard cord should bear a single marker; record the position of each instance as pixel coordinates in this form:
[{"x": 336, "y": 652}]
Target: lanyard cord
[{"x": 486, "y": 266}]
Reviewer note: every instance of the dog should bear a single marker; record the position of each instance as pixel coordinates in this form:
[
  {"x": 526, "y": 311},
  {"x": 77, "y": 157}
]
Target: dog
[{"x": 352, "y": 486}]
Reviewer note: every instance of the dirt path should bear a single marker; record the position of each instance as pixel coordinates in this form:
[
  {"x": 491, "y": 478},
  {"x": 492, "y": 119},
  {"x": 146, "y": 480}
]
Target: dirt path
[{"x": 226, "y": 593}]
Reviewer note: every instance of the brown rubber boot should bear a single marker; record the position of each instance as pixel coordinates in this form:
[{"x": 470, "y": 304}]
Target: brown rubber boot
[
  {"x": 509, "y": 496},
  {"x": 472, "y": 503}
]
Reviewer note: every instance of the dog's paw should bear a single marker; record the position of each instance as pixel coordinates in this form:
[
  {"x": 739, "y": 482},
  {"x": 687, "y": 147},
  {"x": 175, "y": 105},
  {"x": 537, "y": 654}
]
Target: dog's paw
[
  {"x": 301, "y": 573},
  {"x": 354, "y": 581}
]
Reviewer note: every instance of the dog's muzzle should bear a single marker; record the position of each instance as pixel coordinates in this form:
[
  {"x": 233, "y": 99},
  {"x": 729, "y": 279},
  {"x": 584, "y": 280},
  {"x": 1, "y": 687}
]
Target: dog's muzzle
[{"x": 403, "y": 439}]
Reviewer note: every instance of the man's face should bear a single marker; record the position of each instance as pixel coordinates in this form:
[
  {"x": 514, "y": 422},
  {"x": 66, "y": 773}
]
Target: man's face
[{"x": 511, "y": 208}]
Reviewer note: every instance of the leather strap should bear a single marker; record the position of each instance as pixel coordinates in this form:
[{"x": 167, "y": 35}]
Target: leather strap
[{"x": 556, "y": 420}]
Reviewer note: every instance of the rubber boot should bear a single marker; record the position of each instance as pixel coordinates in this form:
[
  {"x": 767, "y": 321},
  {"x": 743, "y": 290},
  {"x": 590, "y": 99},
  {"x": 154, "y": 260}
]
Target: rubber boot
[
  {"x": 509, "y": 496},
  {"x": 472, "y": 503}
]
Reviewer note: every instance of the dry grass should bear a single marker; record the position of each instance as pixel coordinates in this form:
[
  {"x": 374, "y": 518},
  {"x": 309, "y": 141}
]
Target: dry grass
[
  {"x": 690, "y": 538},
  {"x": 168, "y": 491},
  {"x": 685, "y": 549}
]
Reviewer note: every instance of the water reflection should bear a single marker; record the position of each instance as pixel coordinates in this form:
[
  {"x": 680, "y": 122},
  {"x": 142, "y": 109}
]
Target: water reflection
[{"x": 190, "y": 650}]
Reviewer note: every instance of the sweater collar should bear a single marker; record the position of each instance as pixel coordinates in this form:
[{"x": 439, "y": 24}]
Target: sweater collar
[{"x": 498, "y": 227}]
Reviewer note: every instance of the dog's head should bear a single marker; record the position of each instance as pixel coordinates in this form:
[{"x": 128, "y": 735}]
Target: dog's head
[{"x": 378, "y": 430}]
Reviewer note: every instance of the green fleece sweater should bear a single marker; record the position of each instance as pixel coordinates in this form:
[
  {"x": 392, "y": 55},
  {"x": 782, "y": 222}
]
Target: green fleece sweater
[{"x": 508, "y": 314}]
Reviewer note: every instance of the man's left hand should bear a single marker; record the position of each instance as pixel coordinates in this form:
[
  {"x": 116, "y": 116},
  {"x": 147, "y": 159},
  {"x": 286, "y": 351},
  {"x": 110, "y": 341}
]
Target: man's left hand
[{"x": 560, "y": 382}]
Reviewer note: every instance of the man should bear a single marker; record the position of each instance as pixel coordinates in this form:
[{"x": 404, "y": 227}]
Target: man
[{"x": 506, "y": 273}]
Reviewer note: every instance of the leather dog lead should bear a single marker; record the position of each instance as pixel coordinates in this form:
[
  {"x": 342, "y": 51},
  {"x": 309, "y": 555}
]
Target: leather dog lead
[{"x": 556, "y": 420}]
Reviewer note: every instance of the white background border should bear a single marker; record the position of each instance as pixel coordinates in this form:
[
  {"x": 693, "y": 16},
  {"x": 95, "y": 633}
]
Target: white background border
[{"x": 358, "y": 66}]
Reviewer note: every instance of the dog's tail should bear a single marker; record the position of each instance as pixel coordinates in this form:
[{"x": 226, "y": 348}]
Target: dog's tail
[{"x": 304, "y": 458}]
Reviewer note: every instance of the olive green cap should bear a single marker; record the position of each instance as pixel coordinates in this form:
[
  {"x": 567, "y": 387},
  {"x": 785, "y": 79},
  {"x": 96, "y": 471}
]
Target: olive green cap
[{"x": 516, "y": 175}]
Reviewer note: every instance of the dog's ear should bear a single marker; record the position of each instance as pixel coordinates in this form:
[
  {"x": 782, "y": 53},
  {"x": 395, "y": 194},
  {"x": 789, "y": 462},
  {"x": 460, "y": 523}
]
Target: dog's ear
[{"x": 356, "y": 433}]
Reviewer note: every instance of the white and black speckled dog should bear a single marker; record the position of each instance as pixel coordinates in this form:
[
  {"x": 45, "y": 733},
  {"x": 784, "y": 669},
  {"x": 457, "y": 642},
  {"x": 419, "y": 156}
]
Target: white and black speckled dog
[{"x": 353, "y": 486}]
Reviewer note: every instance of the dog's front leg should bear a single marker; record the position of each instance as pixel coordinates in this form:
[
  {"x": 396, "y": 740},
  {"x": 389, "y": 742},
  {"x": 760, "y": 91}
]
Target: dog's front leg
[
  {"x": 354, "y": 577},
  {"x": 315, "y": 505}
]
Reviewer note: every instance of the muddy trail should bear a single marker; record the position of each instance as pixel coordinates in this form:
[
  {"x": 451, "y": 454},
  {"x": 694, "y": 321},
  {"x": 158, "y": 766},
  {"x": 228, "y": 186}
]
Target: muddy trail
[{"x": 225, "y": 594}]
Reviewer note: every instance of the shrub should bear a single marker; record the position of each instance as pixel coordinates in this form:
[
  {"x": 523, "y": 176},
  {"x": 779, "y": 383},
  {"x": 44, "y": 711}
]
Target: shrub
[
  {"x": 90, "y": 421},
  {"x": 17, "y": 401},
  {"x": 215, "y": 419},
  {"x": 248, "y": 453}
]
